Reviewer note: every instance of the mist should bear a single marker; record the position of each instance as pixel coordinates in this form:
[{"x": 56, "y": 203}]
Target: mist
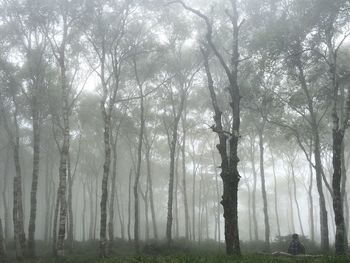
[{"x": 158, "y": 128}]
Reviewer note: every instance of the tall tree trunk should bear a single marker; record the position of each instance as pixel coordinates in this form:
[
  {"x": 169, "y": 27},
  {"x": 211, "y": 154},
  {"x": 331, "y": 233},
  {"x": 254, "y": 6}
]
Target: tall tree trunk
[
  {"x": 104, "y": 187},
  {"x": 173, "y": 144},
  {"x": 252, "y": 158},
  {"x": 291, "y": 205},
  {"x": 263, "y": 188},
  {"x": 176, "y": 208},
  {"x": 84, "y": 212},
  {"x": 184, "y": 185},
  {"x": 113, "y": 191},
  {"x": 296, "y": 199},
  {"x": 4, "y": 196},
  {"x": 311, "y": 201},
  {"x": 2, "y": 243},
  {"x": 218, "y": 199},
  {"x": 138, "y": 167},
  {"x": 70, "y": 229},
  {"x": 129, "y": 207},
  {"x": 35, "y": 176},
  {"x": 150, "y": 185},
  {"x": 121, "y": 216},
  {"x": 275, "y": 193},
  {"x": 19, "y": 235},
  {"x": 317, "y": 152}
]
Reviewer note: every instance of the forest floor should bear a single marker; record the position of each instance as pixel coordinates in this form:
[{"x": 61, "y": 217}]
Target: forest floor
[{"x": 180, "y": 252}]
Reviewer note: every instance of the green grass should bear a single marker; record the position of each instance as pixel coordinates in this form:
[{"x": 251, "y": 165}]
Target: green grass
[{"x": 216, "y": 258}]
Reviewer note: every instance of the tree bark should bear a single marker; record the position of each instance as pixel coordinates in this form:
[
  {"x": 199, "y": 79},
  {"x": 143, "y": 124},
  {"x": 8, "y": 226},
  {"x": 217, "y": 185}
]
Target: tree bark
[
  {"x": 263, "y": 188},
  {"x": 2, "y": 243},
  {"x": 275, "y": 193},
  {"x": 184, "y": 185},
  {"x": 252, "y": 158},
  {"x": 35, "y": 176},
  {"x": 296, "y": 199},
  {"x": 4, "y": 196},
  {"x": 172, "y": 169}
]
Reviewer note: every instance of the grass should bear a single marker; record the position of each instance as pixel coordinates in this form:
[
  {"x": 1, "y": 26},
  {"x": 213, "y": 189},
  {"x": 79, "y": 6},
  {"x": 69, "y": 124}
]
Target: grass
[{"x": 181, "y": 252}]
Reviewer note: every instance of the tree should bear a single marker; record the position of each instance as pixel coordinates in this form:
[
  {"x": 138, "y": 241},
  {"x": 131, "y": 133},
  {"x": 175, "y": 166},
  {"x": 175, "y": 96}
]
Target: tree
[{"x": 229, "y": 157}]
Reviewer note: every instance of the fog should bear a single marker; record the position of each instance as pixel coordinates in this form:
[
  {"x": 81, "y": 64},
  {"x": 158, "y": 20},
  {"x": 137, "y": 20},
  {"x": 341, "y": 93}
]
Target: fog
[{"x": 156, "y": 124}]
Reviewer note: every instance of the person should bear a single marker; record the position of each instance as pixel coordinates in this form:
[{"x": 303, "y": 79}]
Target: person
[{"x": 295, "y": 246}]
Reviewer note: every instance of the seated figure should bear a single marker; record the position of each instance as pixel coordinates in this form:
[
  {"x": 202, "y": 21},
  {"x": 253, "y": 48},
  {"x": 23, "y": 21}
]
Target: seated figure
[{"x": 295, "y": 246}]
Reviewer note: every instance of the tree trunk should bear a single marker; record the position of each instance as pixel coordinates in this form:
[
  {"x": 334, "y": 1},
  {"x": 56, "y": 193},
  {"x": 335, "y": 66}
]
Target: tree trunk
[
  {"x": 150, "y": 185},
  {"x": 19, "y": 235},
  {"x": 263, "y": 189},
  {"x": 176, "y": 208},
  {"x": 129, "y": 207},
  {"x": 113, "y": 190},
  {"x": 104, "y": 186},
  {"x": 70, "y": 229},
  {"x": 2, "y": 243},
  {"x": 4, "y": 196},
  {"x": 138, "y": 168},
  {"x": 317, "y": 154},
  {"x": 311, "y": 202},
  {"x": 184, "y": 185},
  {"x": 172, "y": 169},
  {"x": 291, "y": 205},
  {"x": 84, "y": 212},
  {"x": 252, "y": 158},
  {"x": 35, "y": 176},
  {"x": 275, "y": 193},
  {"x": 218, "y": 200},
  {"x": 296, "y": 199}
]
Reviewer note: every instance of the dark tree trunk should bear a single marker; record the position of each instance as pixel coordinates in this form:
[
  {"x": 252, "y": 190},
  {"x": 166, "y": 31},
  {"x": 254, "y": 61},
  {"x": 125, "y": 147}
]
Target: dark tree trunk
[
  {"x": 35, "y": 176},
  {"x": 113, "y": 192},
  {"x": 19, "y": 235},
  {"x": 70, "y": 229},
  {"x": 104, "y": 186},
  {"x": 2, "y": 243}
]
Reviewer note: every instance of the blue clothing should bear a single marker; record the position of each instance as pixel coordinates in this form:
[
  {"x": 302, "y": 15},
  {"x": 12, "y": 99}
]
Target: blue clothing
[{"x": 296, "y": 247}]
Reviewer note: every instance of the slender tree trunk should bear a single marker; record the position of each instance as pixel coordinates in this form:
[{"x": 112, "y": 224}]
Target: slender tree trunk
[
  {"x": 291, "y": 205},
  {"x": 129, "y": 207},
  {"x": 113, "y": 190},
  {"x": 176, "y": 208},
  {"x": 275, "y": 193},
  {"x": 19, "y": 236},
  {"x": 84, "y": 212},
  {"x": 172, "y": 169},
  {"x": 120, "y": 215},
  {"x": 184, "y": 185},
  {"x": 263, "y": 188},
  {"x": 296, "y": 199},
  {"x": 47, "y": 197},
  {"x": 218, "y": 199},
  {"x": 138, "y": 169},
  {"x": 317, "y": 154},
  {"x": 193, "y": 201},
  {"x": 4, "y": 196},
  {"x": 70, "y": 229},
  {"x": 35, "y": 176},
  {"x": 311, "y": 202},
  {"x": 106, "y": 167},
  {"x": 150, "y": 185},
  {"x": 252, "y": 158},
  {"x": 2, "y": 243}
]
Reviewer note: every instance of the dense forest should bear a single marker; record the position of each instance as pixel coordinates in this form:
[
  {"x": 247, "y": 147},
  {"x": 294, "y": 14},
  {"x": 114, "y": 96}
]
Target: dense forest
[{"x": 134, "y": 127}]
